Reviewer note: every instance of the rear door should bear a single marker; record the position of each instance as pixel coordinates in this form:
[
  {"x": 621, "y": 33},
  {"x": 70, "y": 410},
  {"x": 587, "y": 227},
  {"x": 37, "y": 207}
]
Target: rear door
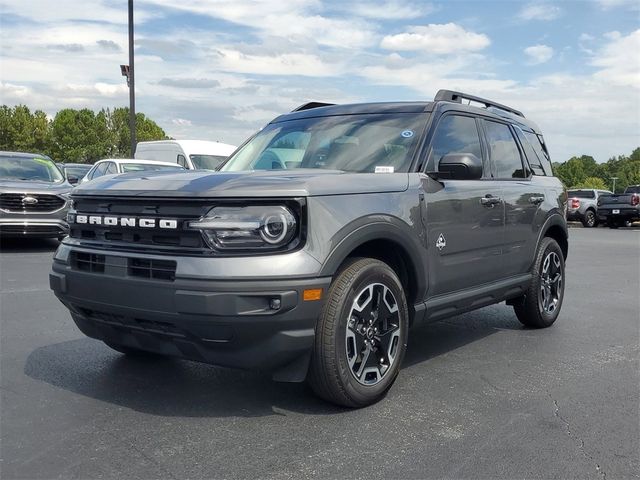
[
  {"x": 464, "y": 219},
  {"x": 522, "y": 196}
]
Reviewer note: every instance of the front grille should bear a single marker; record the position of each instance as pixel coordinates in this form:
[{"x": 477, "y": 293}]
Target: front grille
[
  {"x": 136, "y": 238},
  {"x": 31, "y": 229},
  {"x": 88, "y": 262},
  {"x": 30, "y": 202},
  {"x": 152, "y": 269}
]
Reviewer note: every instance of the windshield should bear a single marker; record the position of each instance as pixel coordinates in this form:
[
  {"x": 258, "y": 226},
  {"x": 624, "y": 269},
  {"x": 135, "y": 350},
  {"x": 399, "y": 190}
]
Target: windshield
[
  {"x": 140, "y": 167},
  {"x": 374, "y": 143},
  {"x": 24, "y": 168},
  {"x": 207, "y": 162}
]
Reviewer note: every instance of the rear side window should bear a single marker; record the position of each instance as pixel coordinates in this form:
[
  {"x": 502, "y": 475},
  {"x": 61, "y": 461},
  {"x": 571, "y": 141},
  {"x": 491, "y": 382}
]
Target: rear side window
[
  {"x": 112, "y": 169},
  {"x": 530, "y": 153},
  {"x": 536, "y": 142},
  {"x": 504, "y": 152},
  {"x": 454, "y": 134},
  {"x": 581, "y": 193}
]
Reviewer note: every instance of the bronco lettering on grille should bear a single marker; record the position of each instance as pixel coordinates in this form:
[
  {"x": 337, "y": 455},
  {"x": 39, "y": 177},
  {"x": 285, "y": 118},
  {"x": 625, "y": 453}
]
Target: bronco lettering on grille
[{"x": 112, "y": 221}]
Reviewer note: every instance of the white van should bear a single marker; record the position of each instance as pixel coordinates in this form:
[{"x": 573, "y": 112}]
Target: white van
[{"x": 191, "y": 154}]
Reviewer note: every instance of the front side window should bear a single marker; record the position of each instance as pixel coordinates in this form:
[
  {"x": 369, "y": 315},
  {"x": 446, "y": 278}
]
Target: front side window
[
  {"x": 454, "y": 134},
  {"x": 503, "y": 150},
  {"x": 352, "y": 143},
  {"x": 99, "y": 170},
  {"x": 29, "y": 169},
  {"x": 112, "y": 169}
]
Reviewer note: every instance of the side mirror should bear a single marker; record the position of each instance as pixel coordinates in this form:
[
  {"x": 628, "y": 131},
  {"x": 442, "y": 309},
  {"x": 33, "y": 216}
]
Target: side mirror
[
  {"x": 72, "y": 179},
  {"x": 460, "y": 166}
]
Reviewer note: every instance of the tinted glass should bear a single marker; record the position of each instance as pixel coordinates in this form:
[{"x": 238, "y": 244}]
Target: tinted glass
[
  {"x": 454, "y": 134},
  {"x": 112, "y": 169},
  {"x": 182, "y": 161},
  {"x": 351, "y": 143},
  {"x": 536, "y": 143},
  {"x": 633, "y": 189},
  {"x": 207, "y": 162},
  {"x": 29, "y": 168},
  {"x": 504, "y": 152},
  {"x": 77, "y": 172},
  {"x": 581, "y": 193},
  {"x": 529, "y": 152}
]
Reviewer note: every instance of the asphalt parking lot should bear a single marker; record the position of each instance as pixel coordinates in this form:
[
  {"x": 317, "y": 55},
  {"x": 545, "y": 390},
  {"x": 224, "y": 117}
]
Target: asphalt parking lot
[{"x": 479, "y": 395}]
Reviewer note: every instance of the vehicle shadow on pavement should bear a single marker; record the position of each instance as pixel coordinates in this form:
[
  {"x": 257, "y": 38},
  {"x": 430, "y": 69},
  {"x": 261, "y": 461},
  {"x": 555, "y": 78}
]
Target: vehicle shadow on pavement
[
  {"x": 28, "y": 245},
  {"x": 173, "y": 387}
]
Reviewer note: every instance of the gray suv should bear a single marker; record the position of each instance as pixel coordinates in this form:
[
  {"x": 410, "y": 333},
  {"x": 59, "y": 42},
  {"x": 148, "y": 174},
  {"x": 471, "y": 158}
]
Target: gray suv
[
  {"x": 321, "y": 241},
  {"x": 34, "y": 196}
]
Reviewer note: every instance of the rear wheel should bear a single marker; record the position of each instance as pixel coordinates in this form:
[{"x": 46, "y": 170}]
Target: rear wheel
[
  {"x": 590, "y": 220},
  {"x": 613, "y": 224},
  {"x": 361, "y": 335},
  {"x": 541, "y": 304}
]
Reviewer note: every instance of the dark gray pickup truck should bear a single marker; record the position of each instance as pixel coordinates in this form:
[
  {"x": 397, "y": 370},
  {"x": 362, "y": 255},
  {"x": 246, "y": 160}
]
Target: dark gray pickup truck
[
  {"x": 620, "y": 209},
  {"x": 321, "y": 241}
]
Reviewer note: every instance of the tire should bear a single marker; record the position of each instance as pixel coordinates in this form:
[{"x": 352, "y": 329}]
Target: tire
[
  {"x": 613, "y": 224},
  {"x": 590, "y": 220},
  {"x": 355, "y": 360},
  {"x": 130, "y": 351},
  {"x": 541, "y": 304}
]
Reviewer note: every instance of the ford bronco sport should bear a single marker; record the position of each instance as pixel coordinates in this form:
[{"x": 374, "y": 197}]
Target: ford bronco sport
[{"x": 321, "y": 241}]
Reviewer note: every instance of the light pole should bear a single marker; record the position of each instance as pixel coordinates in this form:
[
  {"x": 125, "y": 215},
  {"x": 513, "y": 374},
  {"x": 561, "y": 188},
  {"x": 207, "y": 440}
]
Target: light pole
[
  {"x": 614, "y": 184},
  {"x": 132, "y": 85}
]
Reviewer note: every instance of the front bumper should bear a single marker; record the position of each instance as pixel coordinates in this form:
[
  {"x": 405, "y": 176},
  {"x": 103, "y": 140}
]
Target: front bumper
[{"x": 223, "y": 322}]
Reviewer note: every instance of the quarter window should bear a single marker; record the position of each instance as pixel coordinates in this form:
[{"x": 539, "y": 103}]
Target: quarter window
[
  {"x": 454, "y": 134},
  {"x": 504, "y": 152},
  {"x": 182, "y": 161},
  {"x": 536, "y": 143},
  {"x": 112, "y": 169}
]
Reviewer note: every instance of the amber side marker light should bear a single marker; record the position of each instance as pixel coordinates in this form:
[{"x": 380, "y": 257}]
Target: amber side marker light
[{"x": 312, "y": 294}]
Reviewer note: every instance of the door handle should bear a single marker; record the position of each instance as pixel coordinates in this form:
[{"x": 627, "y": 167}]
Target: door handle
[
  {"x": 536, "y": 200},
  {"x": 490, "y": 201}
]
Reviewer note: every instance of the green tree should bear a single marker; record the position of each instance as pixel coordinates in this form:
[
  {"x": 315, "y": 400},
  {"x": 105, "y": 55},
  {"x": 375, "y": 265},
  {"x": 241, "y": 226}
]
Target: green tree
[{"x": 592, "y": 182}]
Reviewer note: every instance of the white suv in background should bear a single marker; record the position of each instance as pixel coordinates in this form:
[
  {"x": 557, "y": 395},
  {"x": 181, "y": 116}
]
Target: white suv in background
[{"x": 191, "y": 154}]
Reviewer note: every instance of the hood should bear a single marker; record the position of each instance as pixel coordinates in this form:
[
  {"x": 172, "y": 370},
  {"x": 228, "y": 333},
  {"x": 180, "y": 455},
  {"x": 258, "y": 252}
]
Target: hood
[
  {"x": 203, "y": 184},
  {"x": 32, "y": 186}
]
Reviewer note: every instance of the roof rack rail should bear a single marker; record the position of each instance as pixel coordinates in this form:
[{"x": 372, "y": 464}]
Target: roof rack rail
[
  {"x": 310, "y": 105},
  {"x": 451, "y": 96}
]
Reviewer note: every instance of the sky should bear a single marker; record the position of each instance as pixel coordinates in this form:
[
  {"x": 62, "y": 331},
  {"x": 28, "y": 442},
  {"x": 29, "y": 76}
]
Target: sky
[{"x": 222, "y": 69}]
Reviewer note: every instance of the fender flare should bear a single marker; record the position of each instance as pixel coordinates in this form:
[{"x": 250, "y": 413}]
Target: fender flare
[
  {"x": 379, "y": 227},
  {"x": 553, "y": 220}
]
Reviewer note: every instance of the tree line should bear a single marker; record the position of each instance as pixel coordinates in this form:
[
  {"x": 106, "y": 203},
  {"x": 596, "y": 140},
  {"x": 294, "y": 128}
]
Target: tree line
[
  {"x": 585, "y": 172},
  {"x": 77, "y": 136}
]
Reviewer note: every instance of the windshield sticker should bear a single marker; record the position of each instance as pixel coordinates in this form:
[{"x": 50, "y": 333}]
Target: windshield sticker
[
  {"x": 381, "y": 169},
  {"x": 407, "y": 134}
]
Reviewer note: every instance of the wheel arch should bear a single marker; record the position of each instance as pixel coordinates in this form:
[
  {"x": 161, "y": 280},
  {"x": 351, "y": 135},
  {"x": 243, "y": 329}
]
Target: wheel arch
[
  {"x": 386, "y": 242},
  {"x": 556, "y": 227}
]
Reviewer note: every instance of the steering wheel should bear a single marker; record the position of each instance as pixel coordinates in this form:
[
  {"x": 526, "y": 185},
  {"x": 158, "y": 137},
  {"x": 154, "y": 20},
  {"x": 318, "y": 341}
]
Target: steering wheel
[{"x": 269, "y": 161}]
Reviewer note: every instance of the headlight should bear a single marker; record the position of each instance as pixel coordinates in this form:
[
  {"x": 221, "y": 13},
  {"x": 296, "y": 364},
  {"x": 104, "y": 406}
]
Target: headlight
[{"x": 268, "y": 227}]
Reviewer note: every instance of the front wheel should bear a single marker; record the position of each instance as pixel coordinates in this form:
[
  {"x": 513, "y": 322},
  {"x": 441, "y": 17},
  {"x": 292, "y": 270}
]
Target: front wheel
[
  {"x": 361, "y": 335},
  {"x": 542, "y": 301}
]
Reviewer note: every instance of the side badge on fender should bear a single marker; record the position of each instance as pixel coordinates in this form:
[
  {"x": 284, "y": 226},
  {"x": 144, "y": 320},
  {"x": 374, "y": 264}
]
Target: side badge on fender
[{"x": 441, "y": 242}]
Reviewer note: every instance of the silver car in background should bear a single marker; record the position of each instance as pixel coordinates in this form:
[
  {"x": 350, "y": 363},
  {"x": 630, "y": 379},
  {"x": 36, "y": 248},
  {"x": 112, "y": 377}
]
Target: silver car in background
[
  {"x": 34, "y": 196},
  {"x": 582, "y": 206}
]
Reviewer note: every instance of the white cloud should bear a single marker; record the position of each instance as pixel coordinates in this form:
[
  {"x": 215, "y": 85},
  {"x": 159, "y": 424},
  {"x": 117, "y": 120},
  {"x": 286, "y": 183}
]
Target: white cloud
[
  {"x": 282, "y": 64},
  {"x": 437, "y": 39},
  {"x": 391, "y": 9},
  {"x": 608, "y": 4},
  {"x": 617, "y": 66},
  {"x": 181, "y": 122},
  {"x": 540, "y": 11},
  {"x": 538, "y": 54}
]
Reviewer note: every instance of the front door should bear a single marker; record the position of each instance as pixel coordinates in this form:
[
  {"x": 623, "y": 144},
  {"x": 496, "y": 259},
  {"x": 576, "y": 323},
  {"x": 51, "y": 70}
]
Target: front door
[{"x": 464, "y": 219}]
